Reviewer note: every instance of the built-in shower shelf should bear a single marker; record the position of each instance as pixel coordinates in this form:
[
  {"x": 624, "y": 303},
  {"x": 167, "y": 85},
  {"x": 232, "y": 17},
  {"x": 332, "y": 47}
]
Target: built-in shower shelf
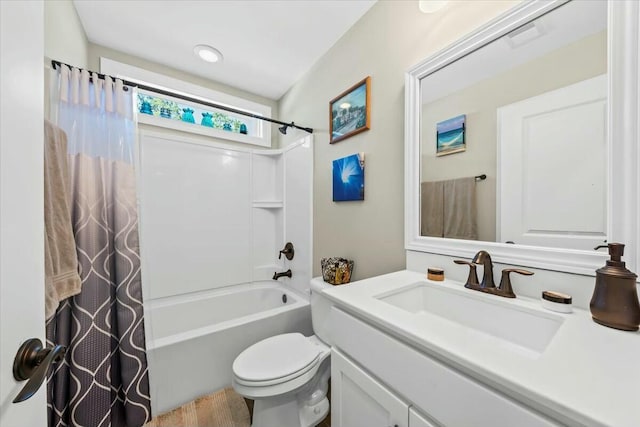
[{"x": 268, "y": 204}]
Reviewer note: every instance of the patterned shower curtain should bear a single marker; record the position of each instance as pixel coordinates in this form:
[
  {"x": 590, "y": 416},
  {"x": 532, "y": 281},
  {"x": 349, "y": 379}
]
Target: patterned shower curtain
[{"x": 103, "y": 380}]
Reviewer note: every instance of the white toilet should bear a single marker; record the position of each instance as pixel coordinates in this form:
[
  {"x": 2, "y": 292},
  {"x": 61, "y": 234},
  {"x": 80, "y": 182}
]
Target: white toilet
[{"x": 288, "y": 375}]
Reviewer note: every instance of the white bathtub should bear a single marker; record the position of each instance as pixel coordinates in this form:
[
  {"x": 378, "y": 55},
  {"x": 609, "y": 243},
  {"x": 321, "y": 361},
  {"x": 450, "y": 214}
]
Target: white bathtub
[{"x": 192, "y": 340}]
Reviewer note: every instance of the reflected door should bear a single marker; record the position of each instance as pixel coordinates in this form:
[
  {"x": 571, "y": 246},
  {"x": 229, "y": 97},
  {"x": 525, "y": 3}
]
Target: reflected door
[{"x": 552, "y": 183}]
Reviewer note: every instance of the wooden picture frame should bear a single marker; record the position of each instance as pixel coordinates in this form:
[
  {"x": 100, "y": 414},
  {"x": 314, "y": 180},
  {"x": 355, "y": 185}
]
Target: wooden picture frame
[{"x": 350, "y": 112}]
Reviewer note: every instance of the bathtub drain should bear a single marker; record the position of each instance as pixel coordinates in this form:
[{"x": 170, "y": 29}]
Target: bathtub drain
[{"x": 284, "y": 298}]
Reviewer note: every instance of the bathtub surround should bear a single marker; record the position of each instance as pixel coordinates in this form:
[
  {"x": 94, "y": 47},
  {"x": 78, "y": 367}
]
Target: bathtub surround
[
  {"x": 244, "y": 205},
  {"x": 103, "y": 379}
]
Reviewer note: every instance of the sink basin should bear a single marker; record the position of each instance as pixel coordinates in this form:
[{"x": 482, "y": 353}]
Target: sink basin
[{"x": 515, "y": 324}]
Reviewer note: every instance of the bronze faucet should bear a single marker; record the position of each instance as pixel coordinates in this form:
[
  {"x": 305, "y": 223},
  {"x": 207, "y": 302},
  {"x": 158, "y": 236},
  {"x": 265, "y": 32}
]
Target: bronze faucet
[
  {"x": 483, "y": 257},
  {"x": 287, "y": 273},
  {"x": 487, "y": 285}
]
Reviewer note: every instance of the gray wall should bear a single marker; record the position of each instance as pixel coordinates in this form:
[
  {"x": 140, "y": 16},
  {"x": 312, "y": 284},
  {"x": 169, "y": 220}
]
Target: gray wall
[
  {"x": 390, "y": 38},
  {"x": 64, "y": 36}
]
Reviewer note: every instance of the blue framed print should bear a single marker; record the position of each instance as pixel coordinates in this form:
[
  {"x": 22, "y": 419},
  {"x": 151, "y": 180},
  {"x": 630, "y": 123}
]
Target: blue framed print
[
  {"x": 348, "y": 178},
  {"x": 450, "y": 136}
]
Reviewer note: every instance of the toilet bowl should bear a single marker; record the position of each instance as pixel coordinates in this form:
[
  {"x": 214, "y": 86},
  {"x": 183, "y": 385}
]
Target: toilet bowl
[{"x": 287, "y": 375}]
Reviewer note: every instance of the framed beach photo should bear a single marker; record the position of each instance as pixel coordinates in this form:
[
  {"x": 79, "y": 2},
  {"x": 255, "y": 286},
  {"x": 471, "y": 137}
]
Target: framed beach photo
[
  {"x": 450, "y": 136},
  {"x": 349, "y": 112}
]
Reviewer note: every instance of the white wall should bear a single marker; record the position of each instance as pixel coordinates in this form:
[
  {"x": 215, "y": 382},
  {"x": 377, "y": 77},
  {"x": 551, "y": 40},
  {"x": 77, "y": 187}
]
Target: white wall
[{"x": 390, "y": 38}]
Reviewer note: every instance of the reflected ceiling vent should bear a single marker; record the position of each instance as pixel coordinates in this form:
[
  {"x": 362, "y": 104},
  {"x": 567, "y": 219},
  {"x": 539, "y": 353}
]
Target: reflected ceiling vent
[{"x": 525, "y": 34}]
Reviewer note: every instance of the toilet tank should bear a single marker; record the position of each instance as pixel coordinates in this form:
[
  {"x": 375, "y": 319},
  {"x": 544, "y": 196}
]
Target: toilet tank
[{"x": 320, "y": 309}]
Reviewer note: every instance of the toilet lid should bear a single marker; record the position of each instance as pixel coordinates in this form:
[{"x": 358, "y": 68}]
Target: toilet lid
[{"x": 276, "y": 357}]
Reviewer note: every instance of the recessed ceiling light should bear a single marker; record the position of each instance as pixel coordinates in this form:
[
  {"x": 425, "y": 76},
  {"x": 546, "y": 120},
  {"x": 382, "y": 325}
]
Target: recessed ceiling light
[
  {"x": 207, "y": 53},
  {"x": 345, "y": 105},
  {"x": 431, "y": 6}
]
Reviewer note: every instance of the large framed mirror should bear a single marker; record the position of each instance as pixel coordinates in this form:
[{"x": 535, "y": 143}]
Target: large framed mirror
[{"x": 521, "y": 138}]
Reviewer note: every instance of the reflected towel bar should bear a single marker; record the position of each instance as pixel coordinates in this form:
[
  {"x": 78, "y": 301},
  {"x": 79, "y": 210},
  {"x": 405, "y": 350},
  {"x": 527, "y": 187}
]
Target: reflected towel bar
[{"x": 481, "y": 177}]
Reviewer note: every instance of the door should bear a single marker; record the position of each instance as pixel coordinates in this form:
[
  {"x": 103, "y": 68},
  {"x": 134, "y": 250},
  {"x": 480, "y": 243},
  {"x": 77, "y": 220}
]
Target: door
[
  {"x": 21, "y": 200},
  {"x": 357, "y": 399},
  {"x": 553, "y": 177}
]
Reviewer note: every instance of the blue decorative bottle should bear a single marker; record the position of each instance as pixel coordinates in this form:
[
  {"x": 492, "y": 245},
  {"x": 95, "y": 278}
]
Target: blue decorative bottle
[
  {"x": 207, "y": 120},
  {"x": 243, "y": 129},
  {"x": 145, "y": 108},
  {"x": 187, "y": 115}
]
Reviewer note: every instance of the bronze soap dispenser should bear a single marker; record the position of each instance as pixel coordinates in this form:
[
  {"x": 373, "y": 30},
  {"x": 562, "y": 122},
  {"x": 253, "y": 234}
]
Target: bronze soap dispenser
[{"x": 615, "y": 297}]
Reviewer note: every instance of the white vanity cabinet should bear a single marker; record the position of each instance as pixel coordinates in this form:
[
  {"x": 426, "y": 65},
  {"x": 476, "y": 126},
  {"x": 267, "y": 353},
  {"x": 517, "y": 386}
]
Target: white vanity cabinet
[
  {"x": 428, "y": 386},
  {"x": 357, "y": 399}
]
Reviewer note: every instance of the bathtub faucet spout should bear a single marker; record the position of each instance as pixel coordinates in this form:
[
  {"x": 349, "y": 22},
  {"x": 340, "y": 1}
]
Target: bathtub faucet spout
[{"x": 287, "y": 273}]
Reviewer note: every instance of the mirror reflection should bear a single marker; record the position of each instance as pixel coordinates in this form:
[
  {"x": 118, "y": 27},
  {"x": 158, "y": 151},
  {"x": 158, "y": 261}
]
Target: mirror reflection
[{"x": 514, "y": 136}]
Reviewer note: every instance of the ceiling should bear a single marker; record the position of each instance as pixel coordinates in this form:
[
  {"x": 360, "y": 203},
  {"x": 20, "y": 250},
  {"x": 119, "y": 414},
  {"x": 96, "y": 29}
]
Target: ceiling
[{"x": 267, "y": 45}]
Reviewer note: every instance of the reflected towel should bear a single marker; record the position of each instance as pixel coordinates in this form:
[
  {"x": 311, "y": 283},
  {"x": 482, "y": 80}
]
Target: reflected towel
[
  {"x": 60, "y": 260},
  {"x": 432, "y": 212},
  {"x": 460, "y": 209}
]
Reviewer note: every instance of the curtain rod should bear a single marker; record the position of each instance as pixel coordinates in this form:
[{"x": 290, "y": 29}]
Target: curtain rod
[{"x": 55, "y": 64}]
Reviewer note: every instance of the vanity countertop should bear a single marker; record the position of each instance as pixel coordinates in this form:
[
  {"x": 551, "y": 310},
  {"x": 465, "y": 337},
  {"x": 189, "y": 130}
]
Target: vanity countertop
[{"x": 588, "y": 372}]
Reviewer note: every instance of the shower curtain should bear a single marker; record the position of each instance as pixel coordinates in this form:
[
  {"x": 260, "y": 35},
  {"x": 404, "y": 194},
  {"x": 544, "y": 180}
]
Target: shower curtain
[{"x": 103, "y": 380}]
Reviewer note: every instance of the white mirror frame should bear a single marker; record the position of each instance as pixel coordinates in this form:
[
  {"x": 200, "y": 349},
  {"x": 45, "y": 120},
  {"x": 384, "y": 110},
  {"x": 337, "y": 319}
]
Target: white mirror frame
[{"x": 623, "y": 133}]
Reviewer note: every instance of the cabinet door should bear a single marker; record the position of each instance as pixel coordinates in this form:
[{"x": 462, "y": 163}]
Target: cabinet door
[
  {"x": 417, "y": 420},
  {"x": 359, "y": 400}
]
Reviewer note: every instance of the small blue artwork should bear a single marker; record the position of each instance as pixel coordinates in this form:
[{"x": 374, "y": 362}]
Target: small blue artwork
[
  {"x": 348, "y": 178},
  {"x": 450, "y": 136}
]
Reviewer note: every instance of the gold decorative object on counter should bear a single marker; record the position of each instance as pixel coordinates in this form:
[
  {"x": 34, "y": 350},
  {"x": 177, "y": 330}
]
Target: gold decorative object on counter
[{"x": 336, "y": 270}]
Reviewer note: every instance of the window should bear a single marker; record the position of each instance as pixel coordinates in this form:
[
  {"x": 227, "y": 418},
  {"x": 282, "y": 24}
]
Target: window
[{"x": 174, "y": 113}]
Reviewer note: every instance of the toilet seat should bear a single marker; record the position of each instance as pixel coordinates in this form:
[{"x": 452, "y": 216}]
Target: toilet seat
[{"x": 276, "y": 360}]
